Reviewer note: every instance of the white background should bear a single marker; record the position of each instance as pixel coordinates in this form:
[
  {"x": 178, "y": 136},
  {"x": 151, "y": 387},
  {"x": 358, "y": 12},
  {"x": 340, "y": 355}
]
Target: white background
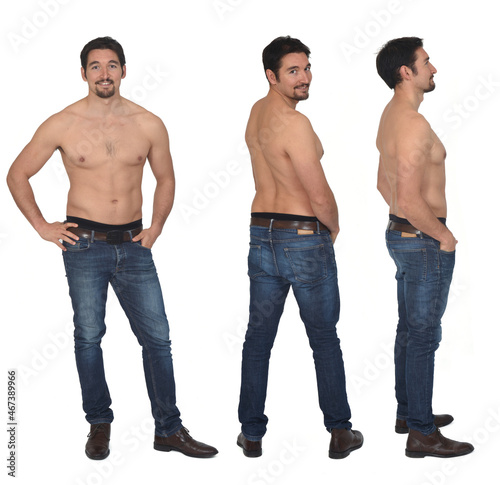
[{"x": 206, "y": 60}]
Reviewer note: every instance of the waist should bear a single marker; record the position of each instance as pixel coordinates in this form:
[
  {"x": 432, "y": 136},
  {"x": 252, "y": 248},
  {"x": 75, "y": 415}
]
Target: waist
[
  {"x": 403, "y": 225},
  {"x": 110, "y": 233},
  {"x": 273, "y": 220}
]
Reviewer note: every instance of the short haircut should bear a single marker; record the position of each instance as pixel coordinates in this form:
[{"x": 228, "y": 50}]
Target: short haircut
[
  {"x": 281, "y": 46},
  {"x": 393, "y": 55},
  {"x": 102, "y": 43}
]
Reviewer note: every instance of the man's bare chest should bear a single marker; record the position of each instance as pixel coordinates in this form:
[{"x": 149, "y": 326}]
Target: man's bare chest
[{"x": 88, "y": 145}]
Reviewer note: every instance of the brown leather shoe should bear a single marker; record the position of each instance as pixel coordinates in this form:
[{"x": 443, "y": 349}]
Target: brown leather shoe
[
  {"x": 435, "y": 444},
  {"x": 252, "y": 449},
  {"x": 181, "y": 441},
  {"x": 97, "y": 447},
  {"x": 440, "y": 421},
  {"x": 343, "y": 442}
]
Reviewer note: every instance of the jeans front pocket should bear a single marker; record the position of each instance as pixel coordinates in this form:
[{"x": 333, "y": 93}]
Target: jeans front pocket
[{"x": 81, "y": 245}]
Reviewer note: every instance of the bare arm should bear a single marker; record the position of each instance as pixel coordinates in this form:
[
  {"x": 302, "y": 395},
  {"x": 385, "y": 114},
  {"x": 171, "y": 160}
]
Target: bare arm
[
  {"x": 302, "y": 149},
  {"x": 413, "y": 156},
  {"x": 161, "y": 164},
  {"x": 33, "y": 157}
]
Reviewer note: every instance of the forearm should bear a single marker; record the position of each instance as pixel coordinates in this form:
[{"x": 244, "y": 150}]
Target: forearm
[
  {"x": 327, "y": 212},
  {"x": 421, "y": 216},
  {"x": 23, "y": 195},
  {"x": 162, "y": 204}
]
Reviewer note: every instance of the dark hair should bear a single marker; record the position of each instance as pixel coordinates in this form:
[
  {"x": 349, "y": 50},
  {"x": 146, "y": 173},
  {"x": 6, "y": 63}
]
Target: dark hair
[
  {"x": 393, "y": 55},
  {"x": 279, "y": 48},
  {"x": 102, "y": 43}
]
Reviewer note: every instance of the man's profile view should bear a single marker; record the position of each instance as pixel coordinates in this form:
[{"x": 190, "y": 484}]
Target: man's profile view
[
  {"x": 294, "y": 223},
  {"x": 411, "y": 179},
  {"x": 104, "y": 141}
]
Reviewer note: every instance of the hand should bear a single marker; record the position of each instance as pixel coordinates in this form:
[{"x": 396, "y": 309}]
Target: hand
[
  {"x": 57, "y": 232},
  {"x": 448, "y": 245},
  {"x": 147, "y": 237}
]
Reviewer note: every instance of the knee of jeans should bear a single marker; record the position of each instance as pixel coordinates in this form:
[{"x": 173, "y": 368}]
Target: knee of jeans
[{"x": 88, "y": 334}]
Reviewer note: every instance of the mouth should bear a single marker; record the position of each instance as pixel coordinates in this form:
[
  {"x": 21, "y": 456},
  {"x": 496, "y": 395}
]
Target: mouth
[
  {"x": 302, "y": 87},
  {"x": 105, "y": 83}
]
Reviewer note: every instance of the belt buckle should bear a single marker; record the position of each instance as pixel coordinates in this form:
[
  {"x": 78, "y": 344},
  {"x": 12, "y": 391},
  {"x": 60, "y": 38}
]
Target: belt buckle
[{"x": 114, "y": 237}]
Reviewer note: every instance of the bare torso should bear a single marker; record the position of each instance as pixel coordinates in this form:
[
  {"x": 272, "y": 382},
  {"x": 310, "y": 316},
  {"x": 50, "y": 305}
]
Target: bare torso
[
  {"x": 278, "y": 187},
  {"x": 406, "y": 152},
  {"x": 104, "y": 158}
]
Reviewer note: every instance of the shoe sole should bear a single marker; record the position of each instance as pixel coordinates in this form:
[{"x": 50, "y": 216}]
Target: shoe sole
[
  {"x": 343, "y": 454},
  {"x": 423, "y": 454},
  {"x": 172, "y": 448},
  {"x": 250, "y": 454},
  {"x": 97, "y": 457}
]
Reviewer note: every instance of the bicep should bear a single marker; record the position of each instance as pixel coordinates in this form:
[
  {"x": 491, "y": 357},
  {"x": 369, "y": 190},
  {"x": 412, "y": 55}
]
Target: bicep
[
  {"x": 303, "y": 153},
  {"x": 37, "y": 152},
  {"x": 159, "y": 155},
  {"x": 413, "y": 153}
]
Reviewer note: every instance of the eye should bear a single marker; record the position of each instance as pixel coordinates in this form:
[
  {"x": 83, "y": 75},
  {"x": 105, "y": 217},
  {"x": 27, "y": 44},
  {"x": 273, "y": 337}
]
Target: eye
[{"x": 293, "y": 71}]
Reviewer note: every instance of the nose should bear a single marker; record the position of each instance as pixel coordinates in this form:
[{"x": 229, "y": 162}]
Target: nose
[
  {"x": 305, "y": 77},
  {"x": 433, "y": 69}
]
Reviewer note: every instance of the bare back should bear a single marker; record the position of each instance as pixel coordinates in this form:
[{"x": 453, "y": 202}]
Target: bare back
[
  {"x": 270, "y": 138},
  {"x": 413, "y": 160}
]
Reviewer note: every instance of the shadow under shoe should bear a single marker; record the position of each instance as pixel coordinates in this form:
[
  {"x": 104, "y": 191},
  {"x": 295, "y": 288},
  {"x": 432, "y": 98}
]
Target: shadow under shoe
[
  {"x": 252, "y": 449},
  {"x": 343, "y": 442},
  {"x": 97, "y": 447},
  {"x": 419, "y": 445}
]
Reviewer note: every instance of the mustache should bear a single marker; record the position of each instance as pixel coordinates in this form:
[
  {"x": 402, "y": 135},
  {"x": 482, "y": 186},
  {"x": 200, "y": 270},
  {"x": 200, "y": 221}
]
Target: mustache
[{"x": 105, "y": 81}]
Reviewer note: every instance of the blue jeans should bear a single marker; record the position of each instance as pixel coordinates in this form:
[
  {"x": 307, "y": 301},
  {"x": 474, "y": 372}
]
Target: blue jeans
[
  {"x": 278, "y": 259},
  {"x": 424, "y": 274},
  {"x": 129, "y": 267}
]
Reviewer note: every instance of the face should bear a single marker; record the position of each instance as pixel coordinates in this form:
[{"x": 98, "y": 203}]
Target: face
[
  {"x": 424, "y": 71},
  {"x": 294, "y": 76},
  {"x": 103, "y": 73}
]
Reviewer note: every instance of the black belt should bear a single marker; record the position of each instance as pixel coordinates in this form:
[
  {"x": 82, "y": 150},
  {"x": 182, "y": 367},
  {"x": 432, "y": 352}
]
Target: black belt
[
  {"x": 111, "y": 237},
  {"x": 280, "y": 224},
  {"x": 399, "y": 226}
]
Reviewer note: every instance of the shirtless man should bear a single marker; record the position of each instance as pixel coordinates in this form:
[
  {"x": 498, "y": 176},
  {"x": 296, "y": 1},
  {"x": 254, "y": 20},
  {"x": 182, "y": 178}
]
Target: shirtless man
[
  {"x": 411, "y": 178},
  {"x": 104, "y": 141},
  {"x": 294, "y": 223}
]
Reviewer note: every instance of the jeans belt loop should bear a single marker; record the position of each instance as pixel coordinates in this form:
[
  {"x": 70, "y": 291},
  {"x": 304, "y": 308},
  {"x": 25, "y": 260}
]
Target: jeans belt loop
[
  {"x": 271, "y": 225},
  {"x": 129, "y": 235},
  {"x": 317, "y": 227},
  {"x": 92, "y": 236}
]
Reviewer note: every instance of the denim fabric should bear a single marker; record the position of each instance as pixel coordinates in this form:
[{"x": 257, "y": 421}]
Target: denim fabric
[
  {"x": 278, "y": 259},
  {"x": 424, "y": 275},
  {"x": 129, "y": 268}
]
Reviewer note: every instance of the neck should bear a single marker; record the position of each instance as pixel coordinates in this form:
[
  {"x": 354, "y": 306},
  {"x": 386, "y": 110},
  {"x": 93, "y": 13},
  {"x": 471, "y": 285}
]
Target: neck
[
  {"x": 410, "y": 96},
  {"x": 290, "y": 102},
  {"x": 104, "y": 106}
]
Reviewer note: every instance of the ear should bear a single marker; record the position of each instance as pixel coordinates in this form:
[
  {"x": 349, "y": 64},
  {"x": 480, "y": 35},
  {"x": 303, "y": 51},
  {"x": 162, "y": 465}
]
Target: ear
[
  {"x": 124, "y": 71},
  {"x": 84, "y": 77},
  {"x": 406, "y": 73},
  {"x": 271, "y": 77}
]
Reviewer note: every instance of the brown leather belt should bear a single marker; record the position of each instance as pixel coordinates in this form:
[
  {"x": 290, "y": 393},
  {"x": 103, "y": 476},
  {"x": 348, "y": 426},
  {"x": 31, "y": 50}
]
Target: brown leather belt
[
  {"x": 280, "y": 224},
  {"x": 398, "y": 226},
  {"x": 111, "y": 237}
]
